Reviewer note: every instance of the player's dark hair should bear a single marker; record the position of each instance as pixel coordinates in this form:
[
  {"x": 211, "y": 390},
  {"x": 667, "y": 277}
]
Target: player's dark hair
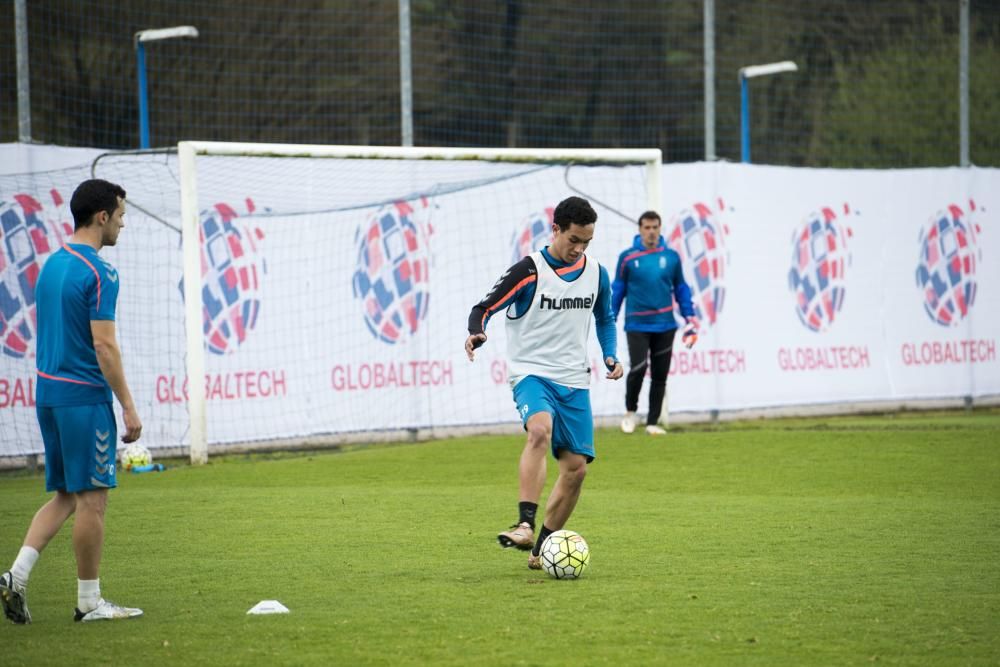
[
  {"x": 649, "y": 215},
  {"x": 91, "y": 197},
  {"x": 573, "y": 210}
]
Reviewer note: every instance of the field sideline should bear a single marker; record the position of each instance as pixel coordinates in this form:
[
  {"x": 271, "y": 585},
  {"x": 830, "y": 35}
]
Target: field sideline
[{"x": 826, "y": 541}]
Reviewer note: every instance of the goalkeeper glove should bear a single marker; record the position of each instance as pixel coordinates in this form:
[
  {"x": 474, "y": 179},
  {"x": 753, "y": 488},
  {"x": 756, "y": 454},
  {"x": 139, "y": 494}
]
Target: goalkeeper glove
[{"x": 690, "y": 334}]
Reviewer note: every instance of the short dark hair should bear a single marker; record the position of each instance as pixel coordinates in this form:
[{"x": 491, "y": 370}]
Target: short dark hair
[
  {"x": 91, "y": 197},
  {"x": 649, "y": 215},
  {"x": 574, "y": 210}
]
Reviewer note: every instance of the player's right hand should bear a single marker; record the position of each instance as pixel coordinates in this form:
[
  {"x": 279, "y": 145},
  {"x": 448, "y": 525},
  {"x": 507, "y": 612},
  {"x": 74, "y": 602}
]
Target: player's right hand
[
  {"x": 690, "y": 334},
  {"x": 471, "y": 343},
  {"x": 133, "y": 425}
]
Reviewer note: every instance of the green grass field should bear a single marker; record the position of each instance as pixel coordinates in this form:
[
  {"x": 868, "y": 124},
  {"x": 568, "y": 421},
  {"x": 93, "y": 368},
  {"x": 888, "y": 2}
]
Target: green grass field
[{"x": 835, "y": 541}]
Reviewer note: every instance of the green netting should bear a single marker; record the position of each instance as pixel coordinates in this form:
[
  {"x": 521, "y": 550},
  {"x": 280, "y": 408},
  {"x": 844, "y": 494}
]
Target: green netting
[{"x": 877, "y": 85}]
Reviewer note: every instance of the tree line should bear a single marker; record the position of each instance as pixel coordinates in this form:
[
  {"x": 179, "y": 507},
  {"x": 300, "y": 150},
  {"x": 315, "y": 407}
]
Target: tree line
[{"x": 877, "y": 84}]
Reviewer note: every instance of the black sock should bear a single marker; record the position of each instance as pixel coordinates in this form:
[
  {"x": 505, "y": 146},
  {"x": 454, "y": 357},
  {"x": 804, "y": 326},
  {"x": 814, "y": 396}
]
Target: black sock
[
  {"x": 526, "y": 512},
  {"x": 541, "y": 538}
]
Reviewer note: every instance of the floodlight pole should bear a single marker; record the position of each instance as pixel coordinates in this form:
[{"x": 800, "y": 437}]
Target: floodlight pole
[
  {"x": 747, "y": 73},
  {"x": 23, "y": 80},
  {"x": 708, "y": 48},
  {"x": 405, "y": 75},
  {"x": 141, "y": 38},
  {"x": 963, "y": 84}
]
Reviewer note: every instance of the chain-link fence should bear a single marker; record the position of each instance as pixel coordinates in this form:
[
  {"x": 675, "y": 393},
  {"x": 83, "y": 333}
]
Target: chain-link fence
[{"x": 877, "y": 82}]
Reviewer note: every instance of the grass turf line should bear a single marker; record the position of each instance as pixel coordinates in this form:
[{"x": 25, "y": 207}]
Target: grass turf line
[{"x": 802, "y": 542}]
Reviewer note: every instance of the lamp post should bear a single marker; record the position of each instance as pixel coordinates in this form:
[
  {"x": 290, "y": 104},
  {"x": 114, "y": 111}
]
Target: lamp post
[
  {"x": 141, "y": 38},
  {"x": 747, "y": 73}
]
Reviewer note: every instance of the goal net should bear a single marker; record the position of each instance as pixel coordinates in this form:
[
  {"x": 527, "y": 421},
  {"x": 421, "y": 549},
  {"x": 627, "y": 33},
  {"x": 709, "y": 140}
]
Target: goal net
[{"x": 323, "y": 292}]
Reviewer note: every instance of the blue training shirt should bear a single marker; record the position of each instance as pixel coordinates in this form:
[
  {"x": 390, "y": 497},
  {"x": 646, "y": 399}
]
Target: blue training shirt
[
  {"x": 75, "y": 287},
  {"x": 651, "y": 279}
]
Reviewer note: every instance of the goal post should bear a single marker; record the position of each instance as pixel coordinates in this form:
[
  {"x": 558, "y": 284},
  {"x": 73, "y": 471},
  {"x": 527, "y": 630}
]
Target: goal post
[
  {"x": 194, "y": 336},
  {"x": 190, "y": 153}
]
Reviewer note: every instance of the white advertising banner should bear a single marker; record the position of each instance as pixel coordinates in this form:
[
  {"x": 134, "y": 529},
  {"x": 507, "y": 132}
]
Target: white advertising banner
[
  {"x": 812, "y": 286},
  {"x": 838, "y": 285}
]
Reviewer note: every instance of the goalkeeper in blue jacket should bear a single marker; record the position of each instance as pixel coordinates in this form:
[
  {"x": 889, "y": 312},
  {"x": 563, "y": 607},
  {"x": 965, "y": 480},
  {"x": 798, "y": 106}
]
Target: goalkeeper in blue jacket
[{"x": 649, "y": 280}]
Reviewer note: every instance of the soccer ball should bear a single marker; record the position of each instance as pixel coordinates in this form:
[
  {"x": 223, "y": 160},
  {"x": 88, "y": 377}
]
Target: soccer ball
[
  {"x": 565, "y": 555},
  {"x": 136, "y": 455}
]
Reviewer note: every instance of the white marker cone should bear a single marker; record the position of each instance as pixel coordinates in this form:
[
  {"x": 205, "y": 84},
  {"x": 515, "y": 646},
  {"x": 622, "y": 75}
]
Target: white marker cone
[{"x": 268, "y": 607}]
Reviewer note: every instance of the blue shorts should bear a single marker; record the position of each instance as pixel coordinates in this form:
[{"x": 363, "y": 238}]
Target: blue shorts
[
  {"x": 80, "y": 447},
  {"x": 572, "y": 419}
]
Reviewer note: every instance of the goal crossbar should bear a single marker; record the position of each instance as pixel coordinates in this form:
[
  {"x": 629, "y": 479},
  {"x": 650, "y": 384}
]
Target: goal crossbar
[{"x": 629, "y": 155}]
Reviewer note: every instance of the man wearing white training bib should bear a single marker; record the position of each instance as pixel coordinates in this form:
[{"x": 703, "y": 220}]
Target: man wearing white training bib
[{"x": 550, "y": 297}]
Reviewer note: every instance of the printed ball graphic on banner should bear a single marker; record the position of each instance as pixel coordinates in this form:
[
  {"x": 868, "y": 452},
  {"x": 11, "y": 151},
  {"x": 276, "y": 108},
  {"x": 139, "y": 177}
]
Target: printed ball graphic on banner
[
  {"x": 232, "y": 268},
  {"x": 391, "y": 274},
  {"x": 534, "y": 234},
  {"x": 26, "y": 240},
  {"x": 946, "y": 269},
  {"x": 820, "y": 257},
  {"x": 699, "y": 238}
]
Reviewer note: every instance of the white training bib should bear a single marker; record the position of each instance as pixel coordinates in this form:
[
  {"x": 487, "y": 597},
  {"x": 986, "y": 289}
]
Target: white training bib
[{"x": 550, "y": 338}]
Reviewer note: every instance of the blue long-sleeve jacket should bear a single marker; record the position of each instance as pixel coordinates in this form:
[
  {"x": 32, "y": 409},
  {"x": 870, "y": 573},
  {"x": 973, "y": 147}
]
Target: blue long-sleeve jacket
[{"x": 650, "y": 281}]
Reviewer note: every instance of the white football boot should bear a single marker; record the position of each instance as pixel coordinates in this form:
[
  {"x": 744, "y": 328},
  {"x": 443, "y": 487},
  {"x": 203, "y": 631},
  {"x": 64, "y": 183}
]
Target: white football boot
[
  {"x": 628, "y": 423},
  {"x": 107, "y": 611}
]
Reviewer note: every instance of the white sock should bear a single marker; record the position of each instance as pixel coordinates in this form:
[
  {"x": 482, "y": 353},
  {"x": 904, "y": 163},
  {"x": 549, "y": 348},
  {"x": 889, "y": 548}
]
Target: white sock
[
  {"x": 21, "y": 569},
  {"x": 88, "y": 594}
]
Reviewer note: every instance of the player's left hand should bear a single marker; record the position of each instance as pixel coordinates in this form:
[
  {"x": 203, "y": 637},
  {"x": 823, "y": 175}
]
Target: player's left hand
[{"x": 615, "y": 369}]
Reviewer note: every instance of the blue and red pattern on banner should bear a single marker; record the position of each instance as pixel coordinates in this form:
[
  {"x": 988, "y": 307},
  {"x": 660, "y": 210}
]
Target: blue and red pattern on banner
[
  {"x": 699, "y": 238},
  {"x": 392, "y": 272},
  {"x": 820, "y": 257},
  {"x": 26, "y": 239},
  {"x": 232, "y": 268},
  {"x": 534, "y": 234},
  {"x": 946, "y": 270}
]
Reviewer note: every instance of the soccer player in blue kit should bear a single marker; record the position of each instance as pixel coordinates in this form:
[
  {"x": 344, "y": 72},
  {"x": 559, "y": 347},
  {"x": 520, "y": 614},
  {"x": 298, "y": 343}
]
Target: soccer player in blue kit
[
  {"x": 550, "y": 297},
  {"x": 649, "y": 279},
  {"x": 79, "y": 367}
]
